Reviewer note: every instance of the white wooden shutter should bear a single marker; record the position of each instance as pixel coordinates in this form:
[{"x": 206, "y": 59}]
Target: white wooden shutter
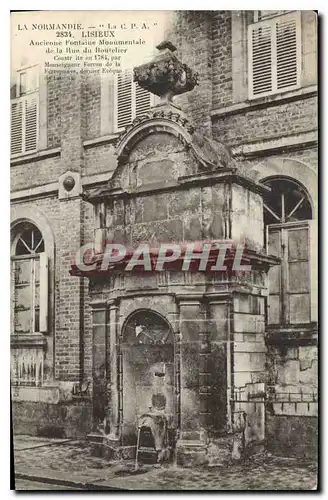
[
  {"x": 142, "y": 100},
  {"x": 260, "y": 59},
  {"x": 31, "y": 122},
  {"x": 24, "y": 124},
  {"x": 44, "y": 292},
  {"x": 274, "y": 55},
  {"x": 287, "y": 53},
  {"x": 16, "y": 127},
  {"x": 124, "y": 99},
  {"x": 132, "y": 100}
]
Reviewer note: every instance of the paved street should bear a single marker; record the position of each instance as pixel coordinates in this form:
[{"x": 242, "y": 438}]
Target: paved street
[
  {"x": 24, "y": 485},
  {"x": 66, "y": 464}
]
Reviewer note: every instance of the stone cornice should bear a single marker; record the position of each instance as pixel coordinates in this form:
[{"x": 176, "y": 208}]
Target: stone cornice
[
  {"x": 202, "y": 179},
  {"x": 276, "y": 145},
  {"x": 31, "y": 157},
  {"x": 265, "y": 102},
  {"x": 100, "y": 141}
]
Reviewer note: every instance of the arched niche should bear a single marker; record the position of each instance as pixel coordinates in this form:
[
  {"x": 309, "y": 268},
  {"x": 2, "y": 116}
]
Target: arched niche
[{"x": 148, "y": 382}]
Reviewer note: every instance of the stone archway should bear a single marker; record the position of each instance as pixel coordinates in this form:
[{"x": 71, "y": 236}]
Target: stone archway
[{"x": 148, "y": 383}]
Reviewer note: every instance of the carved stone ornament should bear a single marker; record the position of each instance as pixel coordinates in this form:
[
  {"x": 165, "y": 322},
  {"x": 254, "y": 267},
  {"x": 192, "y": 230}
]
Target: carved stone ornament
[
  {"x": 166, "y": 76},
  {"x": 69, "y": 183}
]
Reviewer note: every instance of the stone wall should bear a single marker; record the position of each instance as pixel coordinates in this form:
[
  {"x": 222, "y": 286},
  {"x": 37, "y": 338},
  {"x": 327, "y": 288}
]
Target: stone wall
[
  {"x": 62, "y": 420},
  {"x": 292, "y": 435}
]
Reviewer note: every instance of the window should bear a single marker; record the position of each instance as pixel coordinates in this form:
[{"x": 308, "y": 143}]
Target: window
[
  {"x": 131, "y": 99},
  {"x": 29, "y": 305},
  {"x": 287, "y": 216},
  {"x": 274, "y": 51},
  {"x": 30, "y": 281},
  {"x": 24, "y": 111},
  {"x": 260, "y": 15}
]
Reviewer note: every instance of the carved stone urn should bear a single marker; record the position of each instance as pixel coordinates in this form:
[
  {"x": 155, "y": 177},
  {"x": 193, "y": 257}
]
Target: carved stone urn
[{"x": 165, "y": 76}]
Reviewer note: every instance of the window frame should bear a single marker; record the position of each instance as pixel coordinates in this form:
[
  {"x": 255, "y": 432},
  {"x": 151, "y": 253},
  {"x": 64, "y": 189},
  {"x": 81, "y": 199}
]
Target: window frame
[
  {"x": 272, "y": 22},
  {"x": 43, "y": 284}
]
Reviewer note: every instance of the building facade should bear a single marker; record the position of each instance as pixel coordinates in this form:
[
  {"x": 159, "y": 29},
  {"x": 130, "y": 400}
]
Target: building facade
[{"x": 229, "y": 362}]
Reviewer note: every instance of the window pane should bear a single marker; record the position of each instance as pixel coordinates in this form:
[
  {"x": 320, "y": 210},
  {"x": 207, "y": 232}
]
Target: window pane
[
  {"x": 22, "y": 83},
  {"x": 30, "y": 241},
  {"x": 23, "y": 321},
  {"x": 23, "y": 297},
  {"x": 22, "y": 271}
]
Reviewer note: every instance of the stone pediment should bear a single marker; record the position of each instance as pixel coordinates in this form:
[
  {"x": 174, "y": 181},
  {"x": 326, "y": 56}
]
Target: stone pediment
[
  {"x": 162, "y": 146},
  {"x": 210, "y": 153}
]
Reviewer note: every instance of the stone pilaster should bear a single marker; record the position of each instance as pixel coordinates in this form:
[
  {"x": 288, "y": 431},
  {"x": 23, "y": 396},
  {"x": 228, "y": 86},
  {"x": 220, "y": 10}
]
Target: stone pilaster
[
  {"x": 100, "y": 396},
  {"x": 220, "y": 361},
  {"x": 113, "y": 368},
  {"x": 193, "y": 395}
]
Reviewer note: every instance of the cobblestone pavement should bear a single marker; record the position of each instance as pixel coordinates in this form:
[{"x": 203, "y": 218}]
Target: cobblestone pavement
[
  {"x": 73, "y": 460},
  {"x": 26, "y": 485}
]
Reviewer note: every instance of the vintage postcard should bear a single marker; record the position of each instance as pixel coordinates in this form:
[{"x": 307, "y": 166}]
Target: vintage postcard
[{"x": 164, "y": 250}]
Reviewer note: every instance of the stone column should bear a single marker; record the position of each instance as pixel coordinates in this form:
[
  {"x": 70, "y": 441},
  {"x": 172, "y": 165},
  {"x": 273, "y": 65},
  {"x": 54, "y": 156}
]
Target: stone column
[{"x": 193, "y": 394}]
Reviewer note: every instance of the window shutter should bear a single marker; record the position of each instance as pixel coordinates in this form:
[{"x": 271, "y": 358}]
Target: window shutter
[
  {"x": 287, "y": 53},
  {"x": 124, "y": 99},
  {"x": 297, "y": 276},
  {"x": 274, "y": 55},
  {"x": 260, "y": 67},
  {"x": 31, "y": 122},
  {"x": 44, "y": 292},
  {"x": 142, "y": 100},
  {"x": 274, "y": 279},
  {"x": 313, "y": 238},
  {"x": 16, "y": 127},
  {"x": 132, "y": 100},
  {"x": 24, "y": 124}
]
